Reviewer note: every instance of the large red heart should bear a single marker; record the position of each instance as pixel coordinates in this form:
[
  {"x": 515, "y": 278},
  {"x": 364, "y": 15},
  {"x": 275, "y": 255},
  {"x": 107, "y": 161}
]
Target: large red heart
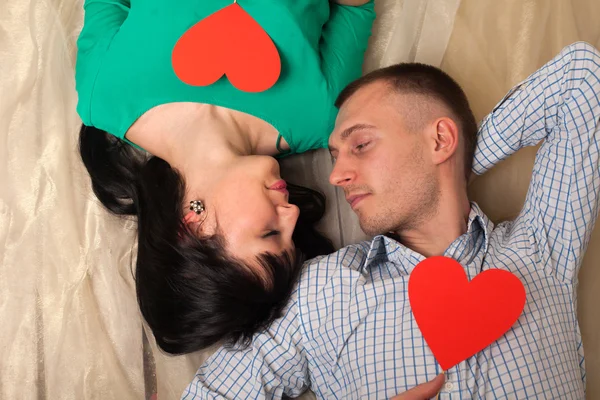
[
  {"x": 459, "y": 318},
  {"x": 227, "y": 42}
]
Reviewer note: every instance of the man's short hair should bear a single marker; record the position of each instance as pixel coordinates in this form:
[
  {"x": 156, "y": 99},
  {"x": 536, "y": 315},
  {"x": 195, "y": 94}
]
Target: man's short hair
[{"x": 428, "y": 81}]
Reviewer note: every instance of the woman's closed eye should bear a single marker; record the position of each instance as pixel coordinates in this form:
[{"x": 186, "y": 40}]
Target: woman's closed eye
[{"x": 271, "y": 233}]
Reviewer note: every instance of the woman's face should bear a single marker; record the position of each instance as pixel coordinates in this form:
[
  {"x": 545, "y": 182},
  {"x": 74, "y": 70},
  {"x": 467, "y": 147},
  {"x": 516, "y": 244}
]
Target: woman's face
[{"x": 249, "y": 207}]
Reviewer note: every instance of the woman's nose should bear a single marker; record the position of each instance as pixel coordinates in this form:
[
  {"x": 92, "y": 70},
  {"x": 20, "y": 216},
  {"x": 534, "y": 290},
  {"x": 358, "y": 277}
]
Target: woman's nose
[
  {"x": 289, "y": 211},
  {"x": 271, "y": 166}
]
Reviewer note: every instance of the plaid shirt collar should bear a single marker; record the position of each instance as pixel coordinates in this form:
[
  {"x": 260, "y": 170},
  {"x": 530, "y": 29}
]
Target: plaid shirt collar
[{"x": 465, "y": 249}]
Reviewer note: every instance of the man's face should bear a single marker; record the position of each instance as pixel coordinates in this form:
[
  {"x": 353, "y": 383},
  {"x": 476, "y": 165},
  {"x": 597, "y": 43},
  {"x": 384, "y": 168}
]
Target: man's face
[{"x": 383, "y": 166}]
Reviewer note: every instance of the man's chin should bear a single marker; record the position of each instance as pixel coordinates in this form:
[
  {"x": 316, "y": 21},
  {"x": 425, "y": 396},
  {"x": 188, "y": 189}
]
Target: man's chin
[{"x": 370, "y": 227}]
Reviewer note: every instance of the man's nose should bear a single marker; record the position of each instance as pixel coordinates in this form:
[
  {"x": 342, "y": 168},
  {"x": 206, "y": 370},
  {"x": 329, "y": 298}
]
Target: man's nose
[{"x": 343, "y": 172}]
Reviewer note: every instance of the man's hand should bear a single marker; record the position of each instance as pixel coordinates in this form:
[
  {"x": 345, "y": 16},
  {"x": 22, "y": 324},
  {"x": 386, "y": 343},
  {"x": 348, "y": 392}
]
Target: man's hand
[
  {"x": 423, "y": 391},
  {"x": 351, "y": 2}
]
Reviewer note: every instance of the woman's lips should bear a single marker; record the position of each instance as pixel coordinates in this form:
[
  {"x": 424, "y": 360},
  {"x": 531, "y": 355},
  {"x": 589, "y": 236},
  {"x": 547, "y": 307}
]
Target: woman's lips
[{"x": 280, "y": 186}]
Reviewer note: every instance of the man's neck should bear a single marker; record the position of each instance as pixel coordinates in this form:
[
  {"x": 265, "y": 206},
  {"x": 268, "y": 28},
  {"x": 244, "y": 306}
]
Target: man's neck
[{"x": 435, "y": 234}]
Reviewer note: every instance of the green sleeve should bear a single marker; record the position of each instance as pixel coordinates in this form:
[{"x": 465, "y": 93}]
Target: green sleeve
[
  {"x": 102, "y": 20},
  {"x": 344, "y": 42}
]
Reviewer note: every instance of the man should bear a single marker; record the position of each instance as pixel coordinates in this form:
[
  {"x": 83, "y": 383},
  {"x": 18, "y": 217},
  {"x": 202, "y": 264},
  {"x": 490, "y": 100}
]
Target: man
[{"x": 404, "y": 144}]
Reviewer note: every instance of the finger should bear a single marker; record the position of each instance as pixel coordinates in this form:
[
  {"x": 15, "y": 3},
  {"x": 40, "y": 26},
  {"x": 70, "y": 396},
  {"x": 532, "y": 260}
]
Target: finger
[{"x": 423, "y": 391}]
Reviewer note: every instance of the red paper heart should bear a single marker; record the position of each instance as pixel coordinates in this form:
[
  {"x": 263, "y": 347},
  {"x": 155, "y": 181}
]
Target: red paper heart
[
  {"x": 458, "y": 318},
  {"x": 227, "y": 42}
]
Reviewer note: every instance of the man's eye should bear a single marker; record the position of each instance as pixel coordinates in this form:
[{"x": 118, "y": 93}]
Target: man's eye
[
  {"x": 362, "y": 146},
  {"x": 271, "y": 233}
]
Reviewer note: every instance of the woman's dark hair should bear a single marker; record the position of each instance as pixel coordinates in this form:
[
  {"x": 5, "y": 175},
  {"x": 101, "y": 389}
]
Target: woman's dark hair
[{"x": 191, "y": 292}]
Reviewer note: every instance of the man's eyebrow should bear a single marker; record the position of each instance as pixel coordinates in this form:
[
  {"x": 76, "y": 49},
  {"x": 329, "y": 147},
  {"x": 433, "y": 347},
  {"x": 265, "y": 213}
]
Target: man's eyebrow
[
  {"x": 349, "y": 131},
  {"x": 358, "y": 127}
]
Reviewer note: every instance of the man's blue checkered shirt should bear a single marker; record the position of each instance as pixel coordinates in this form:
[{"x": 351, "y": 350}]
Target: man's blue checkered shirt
[{"x": 348, "y": 331}]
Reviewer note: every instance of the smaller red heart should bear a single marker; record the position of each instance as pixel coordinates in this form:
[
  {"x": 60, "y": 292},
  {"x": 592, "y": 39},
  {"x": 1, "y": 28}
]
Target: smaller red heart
[
  {"x": 227, "y": 42},
  {"x": 459, "y": 318}
]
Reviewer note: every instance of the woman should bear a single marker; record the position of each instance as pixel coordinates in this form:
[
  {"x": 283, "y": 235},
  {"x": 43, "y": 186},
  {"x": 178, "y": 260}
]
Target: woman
[{"x": 216, "y": 233}]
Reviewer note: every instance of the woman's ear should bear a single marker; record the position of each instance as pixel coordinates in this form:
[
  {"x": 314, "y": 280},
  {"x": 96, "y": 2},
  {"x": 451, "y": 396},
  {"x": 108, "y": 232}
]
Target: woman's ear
[
  {"x": 192, "y": 218},
  {"x": 200, "y": 224},
  {"x": 193, "y": 222}
]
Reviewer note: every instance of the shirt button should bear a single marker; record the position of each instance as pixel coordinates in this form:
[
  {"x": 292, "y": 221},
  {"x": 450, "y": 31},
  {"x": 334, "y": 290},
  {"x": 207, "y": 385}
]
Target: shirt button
[{"x": 448, "y": 386}]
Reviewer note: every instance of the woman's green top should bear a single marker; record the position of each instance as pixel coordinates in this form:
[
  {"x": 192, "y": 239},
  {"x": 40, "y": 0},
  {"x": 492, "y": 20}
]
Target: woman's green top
[{"x": 124, "y": 62}]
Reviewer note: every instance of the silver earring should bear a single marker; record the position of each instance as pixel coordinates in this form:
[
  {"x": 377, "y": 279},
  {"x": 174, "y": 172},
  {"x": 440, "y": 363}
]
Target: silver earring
[{"x": 197, "y": 206}]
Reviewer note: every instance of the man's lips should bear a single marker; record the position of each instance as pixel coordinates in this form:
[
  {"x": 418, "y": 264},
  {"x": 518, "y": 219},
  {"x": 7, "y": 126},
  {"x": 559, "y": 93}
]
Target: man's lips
[{"x": 354, "y": 199}]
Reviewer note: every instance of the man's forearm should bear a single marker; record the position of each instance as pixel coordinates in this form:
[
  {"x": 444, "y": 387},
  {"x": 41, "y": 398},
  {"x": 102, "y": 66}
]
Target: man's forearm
[{"x": 529, "y": 113}]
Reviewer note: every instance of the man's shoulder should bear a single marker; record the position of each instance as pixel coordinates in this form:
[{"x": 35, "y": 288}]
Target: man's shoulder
[
  {"x": 347, "y": 260},
  {"x": 345, "y": 256}
]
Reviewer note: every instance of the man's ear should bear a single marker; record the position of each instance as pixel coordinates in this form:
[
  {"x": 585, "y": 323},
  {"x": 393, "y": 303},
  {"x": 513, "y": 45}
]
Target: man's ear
[{"x": 445, "y": 138}]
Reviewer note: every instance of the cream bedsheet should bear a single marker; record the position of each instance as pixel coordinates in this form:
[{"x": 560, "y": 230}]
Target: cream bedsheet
[{"x": 70, "y": 328}]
